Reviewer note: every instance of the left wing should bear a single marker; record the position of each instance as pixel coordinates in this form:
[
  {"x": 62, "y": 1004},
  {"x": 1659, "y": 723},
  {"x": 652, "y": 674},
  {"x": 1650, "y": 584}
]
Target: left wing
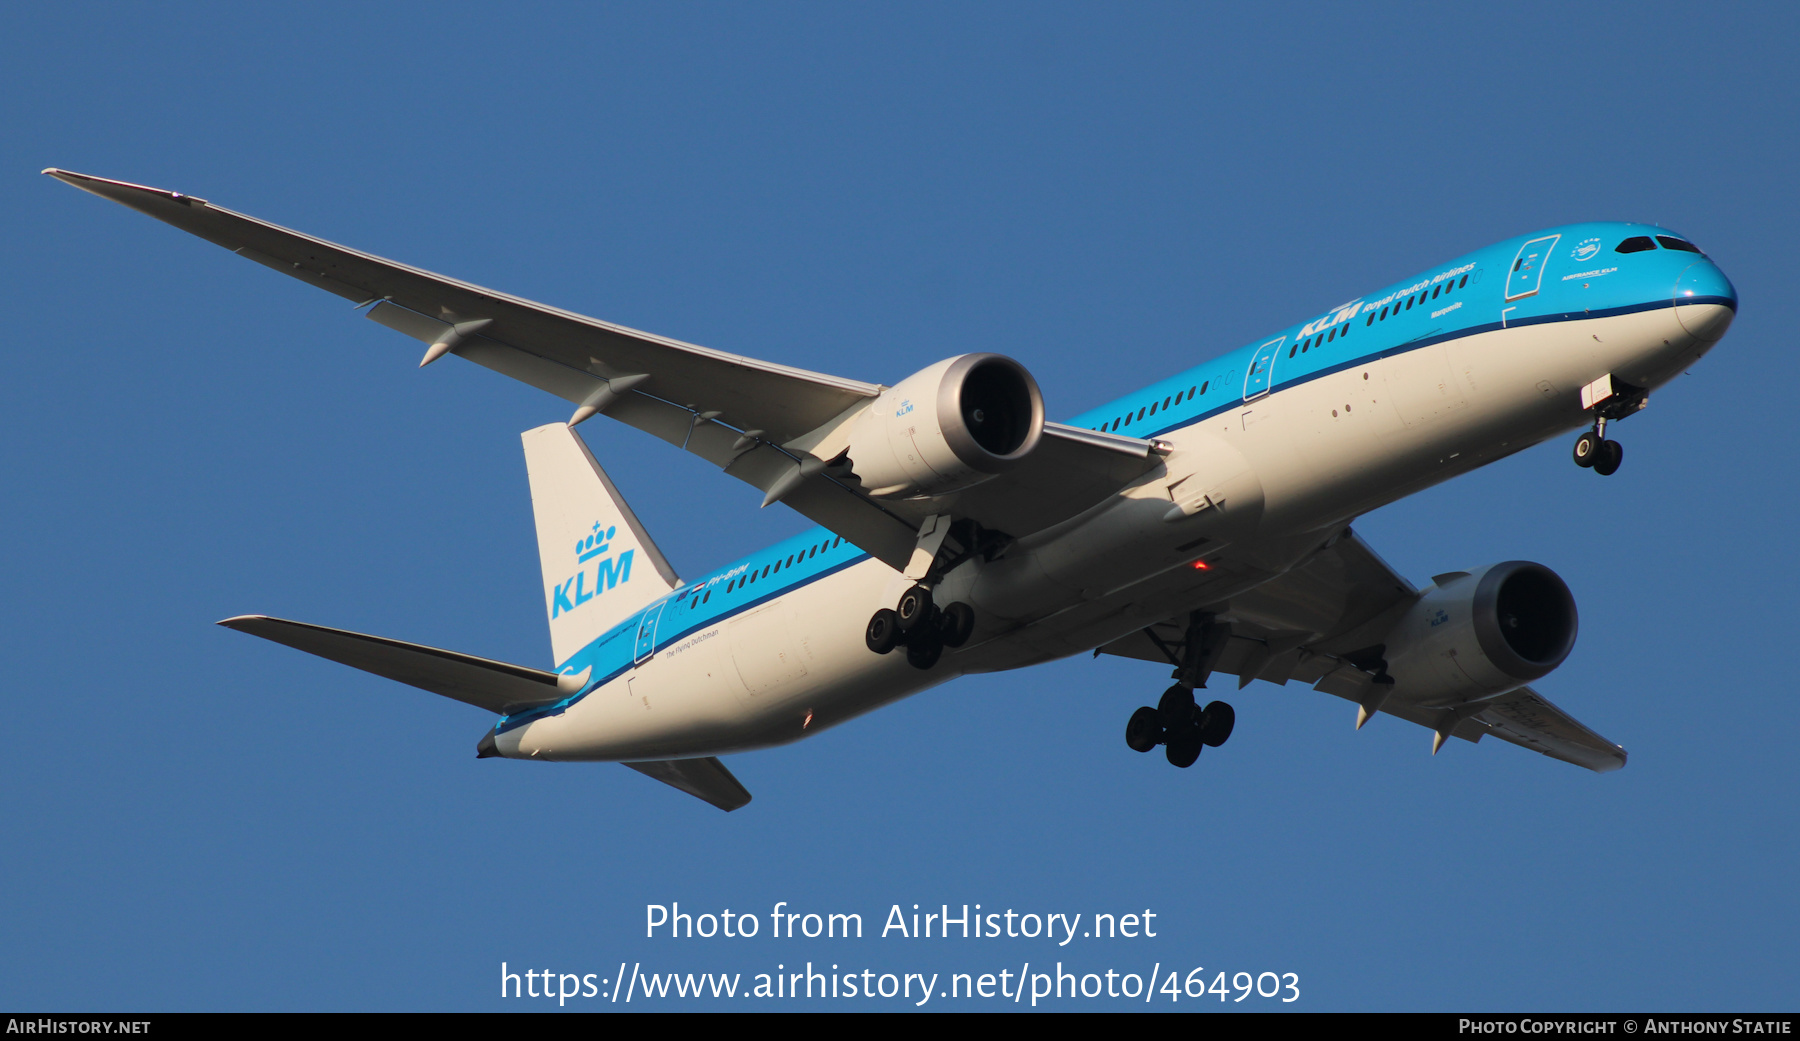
[
  {"x": 741, "y": 414},
  {"x": 1308, "y": 624}
]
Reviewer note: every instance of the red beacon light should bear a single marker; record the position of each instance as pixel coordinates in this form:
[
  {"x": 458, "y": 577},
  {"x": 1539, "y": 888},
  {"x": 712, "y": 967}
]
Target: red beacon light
[{"x": 1200, "y": 565}]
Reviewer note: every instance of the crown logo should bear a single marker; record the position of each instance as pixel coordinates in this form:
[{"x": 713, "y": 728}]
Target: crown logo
[{"x": 594, "y": 545}]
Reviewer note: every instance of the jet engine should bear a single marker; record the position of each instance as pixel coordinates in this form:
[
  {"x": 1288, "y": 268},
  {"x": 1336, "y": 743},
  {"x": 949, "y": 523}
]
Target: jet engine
[
  {"x": 1478, "y": 634},
  {"x": 947, "y": 427}
]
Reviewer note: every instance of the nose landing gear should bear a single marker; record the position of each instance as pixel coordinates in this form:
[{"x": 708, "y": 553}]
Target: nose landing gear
[
  {"x": 1594, "y": 451},
  {"x": 1180, "y": 726},
  {"x": 1611, "y": 400}
]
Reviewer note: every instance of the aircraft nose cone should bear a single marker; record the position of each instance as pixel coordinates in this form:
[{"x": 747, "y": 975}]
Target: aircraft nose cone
[{"x": 1705, "y": 301}]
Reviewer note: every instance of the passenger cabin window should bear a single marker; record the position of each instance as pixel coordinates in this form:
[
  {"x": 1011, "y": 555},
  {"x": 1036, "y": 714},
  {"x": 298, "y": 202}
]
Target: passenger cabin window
[
  {"x": 1635, "y": 244},
  {"x": 1671, "y": 242}
]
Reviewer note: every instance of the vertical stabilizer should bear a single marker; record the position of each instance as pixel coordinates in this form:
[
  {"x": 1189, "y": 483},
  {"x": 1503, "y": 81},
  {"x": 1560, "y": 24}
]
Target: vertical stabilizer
[{"x": 600, "y": 565}]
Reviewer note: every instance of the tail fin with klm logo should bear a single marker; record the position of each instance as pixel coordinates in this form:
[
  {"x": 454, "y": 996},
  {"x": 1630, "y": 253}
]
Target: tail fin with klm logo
[{"x": 600, "y": 565}]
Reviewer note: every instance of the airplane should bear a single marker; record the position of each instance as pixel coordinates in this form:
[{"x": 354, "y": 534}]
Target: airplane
[{"x": 1202, "y": 523}]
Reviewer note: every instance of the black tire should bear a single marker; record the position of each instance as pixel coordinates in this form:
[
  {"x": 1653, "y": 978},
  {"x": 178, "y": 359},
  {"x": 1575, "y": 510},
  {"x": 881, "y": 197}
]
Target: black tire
[
  {"x": 1612, "y": 454},
  {"x": 1176, "y": 710},
  {"x": 924, "y": 649},
  {"x": 1144, "y": 731},
  {"x": 914, "y": 607},
  {"x": 883, "y": 634},
  {"x": 958, "y": 623},
  {"x": 1587, "y": 449},
  {"x": 1216, "y": 723},
  {"x": 1182, "y": 751}
]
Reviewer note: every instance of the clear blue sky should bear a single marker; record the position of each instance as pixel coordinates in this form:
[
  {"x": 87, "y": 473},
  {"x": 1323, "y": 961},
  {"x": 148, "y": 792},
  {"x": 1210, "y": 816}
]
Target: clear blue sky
[{"x": 200, "y": 820}]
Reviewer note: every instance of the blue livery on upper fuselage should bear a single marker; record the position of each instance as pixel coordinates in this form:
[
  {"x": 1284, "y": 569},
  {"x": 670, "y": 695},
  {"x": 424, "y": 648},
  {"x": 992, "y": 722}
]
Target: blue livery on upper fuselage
[{"x": 1576, "y": 271}]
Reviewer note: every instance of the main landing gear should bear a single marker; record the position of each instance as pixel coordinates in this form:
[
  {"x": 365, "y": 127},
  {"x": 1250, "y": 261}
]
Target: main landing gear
[
  {"x": 920, "y": 626},
  {"x": 1177, "y": 722},
  {"x": 1180, "y": 725}
]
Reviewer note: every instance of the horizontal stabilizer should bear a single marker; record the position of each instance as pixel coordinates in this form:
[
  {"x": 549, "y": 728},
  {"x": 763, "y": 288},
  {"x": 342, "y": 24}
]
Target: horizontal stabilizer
[
  {"x": 493, "y": 685},
  {"x": 704, "y": 779}
]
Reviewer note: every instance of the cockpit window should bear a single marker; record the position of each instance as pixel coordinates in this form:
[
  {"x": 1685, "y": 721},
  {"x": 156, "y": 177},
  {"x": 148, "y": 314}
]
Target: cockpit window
[
  {"x": 1671, "y": 242},
  {"x": 1635, "y": 244}
]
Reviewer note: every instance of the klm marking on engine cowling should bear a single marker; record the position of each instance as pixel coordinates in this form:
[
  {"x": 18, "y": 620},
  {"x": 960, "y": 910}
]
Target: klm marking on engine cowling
[{"x": 607, "y": 574}]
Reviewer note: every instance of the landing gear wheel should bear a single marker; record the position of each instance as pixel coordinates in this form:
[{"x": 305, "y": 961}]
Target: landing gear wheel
[
  {"x": 958, "y": 623},
  {"x": 1144, "y": 731},
  {"x": 1587, "y": 449},
  {"x": 1611, "y": 455},
  {"x": 914, "y": 607},
  {"x": 924, "y": 647},
  {"x": 1176, "y": 710},
  {"x": 1216, "y": 723},
  {"x": 883, "y": 634},
  {"x": 1183, "y": 750}
]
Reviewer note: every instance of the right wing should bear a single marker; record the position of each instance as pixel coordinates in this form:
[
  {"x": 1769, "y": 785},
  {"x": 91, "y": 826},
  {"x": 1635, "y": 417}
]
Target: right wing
[
  {"x": 1528, "y": 720},
  {"x": 741, "y": 414},
  {"x": 1309, "y": 625}
]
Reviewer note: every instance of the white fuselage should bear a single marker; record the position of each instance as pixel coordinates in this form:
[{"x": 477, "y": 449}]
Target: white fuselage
[{"x": 1314, "y": 455}]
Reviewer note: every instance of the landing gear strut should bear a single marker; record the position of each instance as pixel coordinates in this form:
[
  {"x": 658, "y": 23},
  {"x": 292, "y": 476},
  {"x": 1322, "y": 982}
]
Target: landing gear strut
[
  {"x": 1177, "y": 722},
  {"x": 920, "y": 626},
  {"x": 1610, "y": 399}
]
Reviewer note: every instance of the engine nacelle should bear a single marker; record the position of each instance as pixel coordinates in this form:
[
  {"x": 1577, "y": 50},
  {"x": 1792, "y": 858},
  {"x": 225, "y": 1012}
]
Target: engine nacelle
[
  {"x": 1483, "y": 633},
  {"x": 947, "y": 427}
]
